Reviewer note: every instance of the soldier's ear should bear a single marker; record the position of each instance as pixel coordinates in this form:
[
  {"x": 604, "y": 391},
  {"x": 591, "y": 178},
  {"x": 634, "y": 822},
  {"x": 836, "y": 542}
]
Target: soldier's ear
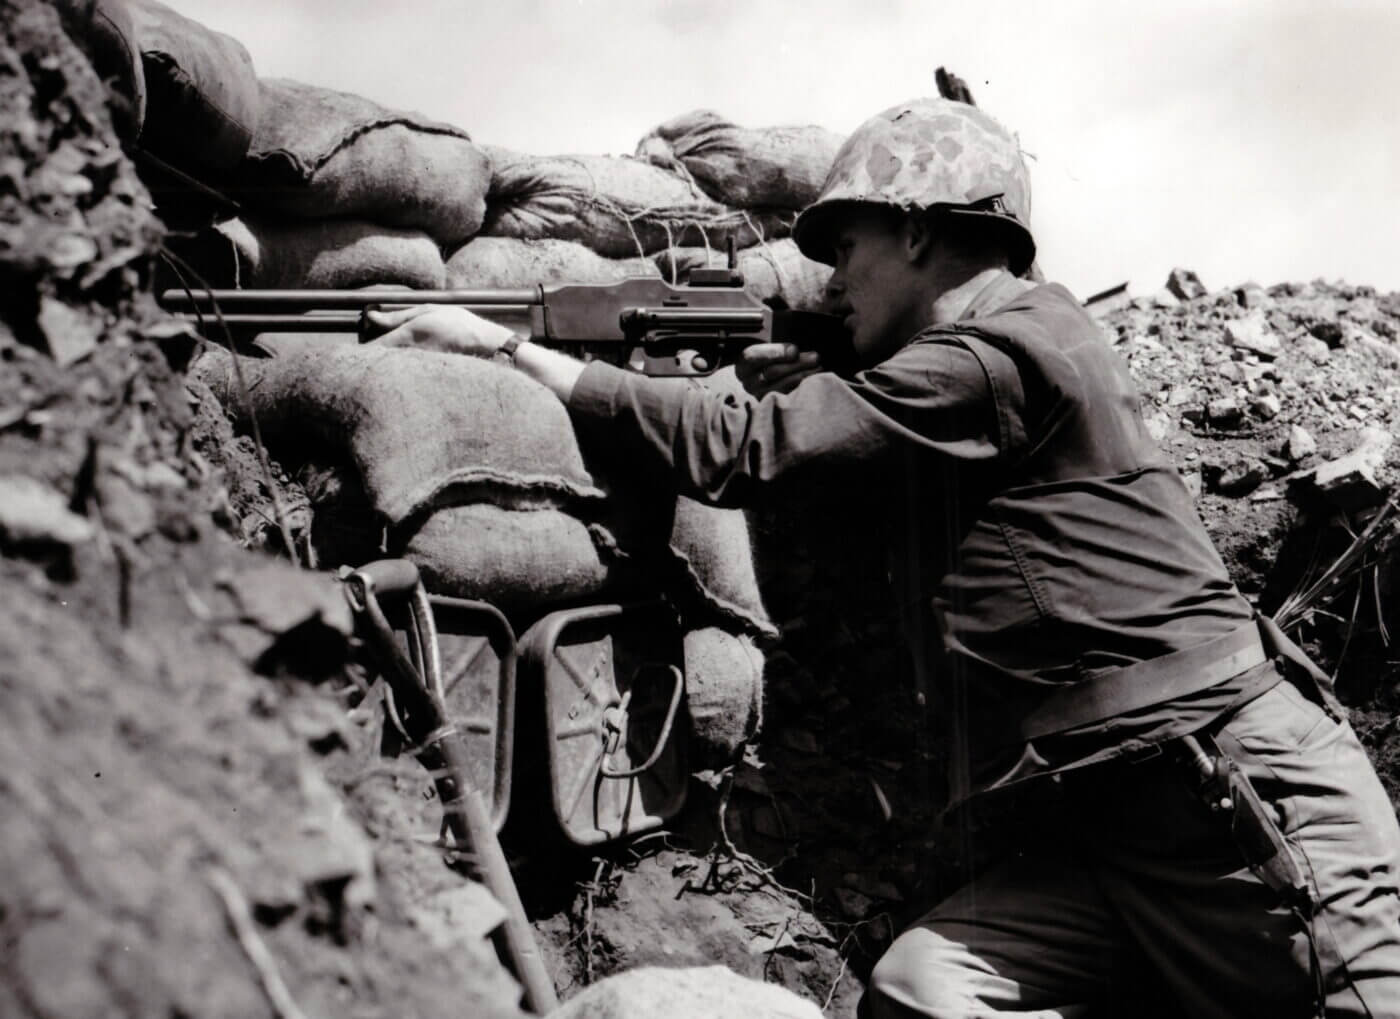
[{"x": 917, "y": 238}]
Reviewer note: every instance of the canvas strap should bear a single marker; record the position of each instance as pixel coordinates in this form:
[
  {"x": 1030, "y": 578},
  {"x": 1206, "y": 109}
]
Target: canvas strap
[{"x": 1110, "y": 693}]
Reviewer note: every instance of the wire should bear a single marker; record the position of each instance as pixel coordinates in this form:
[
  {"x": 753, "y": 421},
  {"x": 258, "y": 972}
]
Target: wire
[{"x": 279, "y": 511}]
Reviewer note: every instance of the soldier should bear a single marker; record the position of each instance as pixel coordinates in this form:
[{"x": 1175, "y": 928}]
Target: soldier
[{"x": 1094, "y": 656}]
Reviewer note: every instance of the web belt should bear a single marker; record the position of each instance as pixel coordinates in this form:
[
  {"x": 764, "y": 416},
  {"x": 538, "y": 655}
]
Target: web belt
[{"x": 1110, "y": 693}]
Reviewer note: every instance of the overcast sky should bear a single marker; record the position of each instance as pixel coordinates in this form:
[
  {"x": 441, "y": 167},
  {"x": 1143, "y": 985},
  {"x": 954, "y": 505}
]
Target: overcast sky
[{"x": 1253, "y": 139}]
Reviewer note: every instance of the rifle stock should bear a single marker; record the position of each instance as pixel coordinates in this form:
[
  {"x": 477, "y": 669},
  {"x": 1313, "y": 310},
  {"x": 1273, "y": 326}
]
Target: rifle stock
[{"x": 645, "y": 323}]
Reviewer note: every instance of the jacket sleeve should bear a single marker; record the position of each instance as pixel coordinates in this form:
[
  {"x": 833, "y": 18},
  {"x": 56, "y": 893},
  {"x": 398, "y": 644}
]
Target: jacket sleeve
[{"x": 722, "y": 447}]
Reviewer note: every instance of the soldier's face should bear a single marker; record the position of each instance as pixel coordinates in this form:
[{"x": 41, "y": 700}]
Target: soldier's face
[{"x": 873, "y": 286}]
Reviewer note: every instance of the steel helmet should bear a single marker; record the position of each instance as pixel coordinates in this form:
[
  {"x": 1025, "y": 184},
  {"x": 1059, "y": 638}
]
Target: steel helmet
[{"x": 924, "y": 155}]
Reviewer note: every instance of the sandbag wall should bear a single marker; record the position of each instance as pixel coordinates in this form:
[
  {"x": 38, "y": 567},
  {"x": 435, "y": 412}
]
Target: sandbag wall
[
  {"x": 333, "y": 190},
  {"x": 443, "y": 470}
]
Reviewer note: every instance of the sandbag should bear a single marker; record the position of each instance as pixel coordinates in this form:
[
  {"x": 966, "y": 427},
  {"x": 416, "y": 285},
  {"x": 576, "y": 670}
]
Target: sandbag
[
  {"x": 531, "y": 555},
  {"x": 319, "y": 153},
  {"x": 772, "y": 270},
  {"x": 423, "y": 429},
  {"x": 510, "y": 262},
  {"x": 516, "y": 559},
  {"x": 769, "y": 167},
  {"x": 723, "y": 692},
  {"x": 106, "y": 33},
  {"x": 716, "y": 578},
  {"x": 328, "y": 253},
  {"x": 617, "y": 205},
  {"x": 202, "y": 103},
  {"x": 641, "y": 535},
  {"x": 714, "y": 551}
]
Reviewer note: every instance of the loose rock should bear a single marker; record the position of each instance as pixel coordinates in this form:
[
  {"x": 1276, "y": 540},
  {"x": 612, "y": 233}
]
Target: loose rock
[
  {"x": 1350, "y": 482},
  {"x": 1185, "y": 285},
  {"x": 1300, "y": 443},
  {"x": 708, "y": 992},
  {"x": 1253, "y": 334}
]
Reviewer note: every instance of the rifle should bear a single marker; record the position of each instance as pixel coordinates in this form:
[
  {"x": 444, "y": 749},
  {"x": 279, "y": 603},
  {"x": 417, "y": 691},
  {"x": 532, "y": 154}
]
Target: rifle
[{"x": 644, "y": 323}]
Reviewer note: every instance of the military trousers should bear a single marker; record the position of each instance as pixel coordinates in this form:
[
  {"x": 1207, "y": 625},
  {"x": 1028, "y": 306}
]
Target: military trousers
[{"x": 1138, "y": 902}]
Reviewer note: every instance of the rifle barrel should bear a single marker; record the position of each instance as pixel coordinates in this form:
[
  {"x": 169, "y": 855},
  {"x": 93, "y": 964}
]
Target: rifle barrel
[
  {"x": 322, "y": 323},
  {"x": 343, "y": 300}
]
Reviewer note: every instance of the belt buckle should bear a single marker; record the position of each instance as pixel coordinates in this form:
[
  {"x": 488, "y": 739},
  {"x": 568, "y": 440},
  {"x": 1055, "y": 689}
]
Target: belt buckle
[{"x": 1142, "y": 754}]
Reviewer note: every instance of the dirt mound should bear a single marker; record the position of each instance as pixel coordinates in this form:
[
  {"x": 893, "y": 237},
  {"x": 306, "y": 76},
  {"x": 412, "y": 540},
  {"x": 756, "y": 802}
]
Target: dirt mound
[
  {"x": 1279, "y": 406},
  {"x": 183, "y": 835}
]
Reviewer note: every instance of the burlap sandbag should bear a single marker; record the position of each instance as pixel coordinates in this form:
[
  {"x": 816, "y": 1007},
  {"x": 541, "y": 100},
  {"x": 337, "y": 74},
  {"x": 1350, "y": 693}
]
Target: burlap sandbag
[
  {"x": 106, "y": 33},
  {"x": 516, "y": 559},
  {"x": 641, "y": 535},
  {"x": 769, "y": 167},
  {"x": 202, "y": 102},
  {"x": 328, "y": 253},
  {"x": 772, "y": 270},
  {"x": 702, "y": 561},
  {"x": 714, "y": 550},
  {"x": 423, "y": 429},
  {"x": 616, "y": 205},
  {"x": 319, "y": 153},
  {"x": 715, "y": 578},
  {"x": 724, "y": 693},
  {"x": 510, "y": 262}
]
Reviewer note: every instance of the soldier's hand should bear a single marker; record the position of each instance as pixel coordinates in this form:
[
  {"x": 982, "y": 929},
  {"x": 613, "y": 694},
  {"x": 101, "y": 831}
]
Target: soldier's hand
[
  {"x": 774, "y": 367},
  {"x": 439, "y": 327}
]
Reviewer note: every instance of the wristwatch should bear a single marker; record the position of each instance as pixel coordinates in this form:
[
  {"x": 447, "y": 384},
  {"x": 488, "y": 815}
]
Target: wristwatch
[{"x": 506, "y": 351}]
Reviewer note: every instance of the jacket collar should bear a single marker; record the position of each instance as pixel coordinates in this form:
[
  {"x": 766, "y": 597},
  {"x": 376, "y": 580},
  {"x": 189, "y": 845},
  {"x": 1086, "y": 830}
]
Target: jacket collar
[{"x": 1003, "y": 289}]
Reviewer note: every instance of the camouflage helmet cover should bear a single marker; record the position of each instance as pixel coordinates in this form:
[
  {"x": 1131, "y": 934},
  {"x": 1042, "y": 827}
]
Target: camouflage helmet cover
[{"x": 921, "y": 155}]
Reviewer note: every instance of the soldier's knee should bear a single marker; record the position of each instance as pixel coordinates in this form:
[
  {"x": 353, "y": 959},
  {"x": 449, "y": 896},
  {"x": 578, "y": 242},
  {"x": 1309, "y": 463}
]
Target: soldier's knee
[{"x": 912, "y": 980}]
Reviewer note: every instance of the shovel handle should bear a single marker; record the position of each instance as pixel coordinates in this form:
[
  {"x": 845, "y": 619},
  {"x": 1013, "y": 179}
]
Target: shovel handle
[{"x": 390, "y": 576}]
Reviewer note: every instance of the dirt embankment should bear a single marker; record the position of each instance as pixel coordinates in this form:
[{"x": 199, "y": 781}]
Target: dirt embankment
[{"x": 186, "y": 834}]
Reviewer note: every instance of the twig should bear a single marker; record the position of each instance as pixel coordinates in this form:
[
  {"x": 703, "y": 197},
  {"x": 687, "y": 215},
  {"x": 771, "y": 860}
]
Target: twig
[
  {"x": 840, "y": 975},
  {"x": 589, "y": 887},
  {"x": 1351, "y": 561},
  {"x": 749, "y": 863},
  {"x": 240, "y": 917},
  {"x": 777, "y": 941},
  {"x": 1380, "y": 609},
  {"x": 1351, "y": 630},
  {"x": 844, "y": 951}
]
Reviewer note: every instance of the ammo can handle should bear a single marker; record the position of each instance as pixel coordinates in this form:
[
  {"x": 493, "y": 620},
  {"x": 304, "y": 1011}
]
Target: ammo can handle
[{"x": 677, "y": 688}]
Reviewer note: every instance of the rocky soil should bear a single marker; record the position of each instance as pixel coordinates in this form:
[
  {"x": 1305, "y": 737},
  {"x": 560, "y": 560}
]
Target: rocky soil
[{"x": 201, "y": 818}]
